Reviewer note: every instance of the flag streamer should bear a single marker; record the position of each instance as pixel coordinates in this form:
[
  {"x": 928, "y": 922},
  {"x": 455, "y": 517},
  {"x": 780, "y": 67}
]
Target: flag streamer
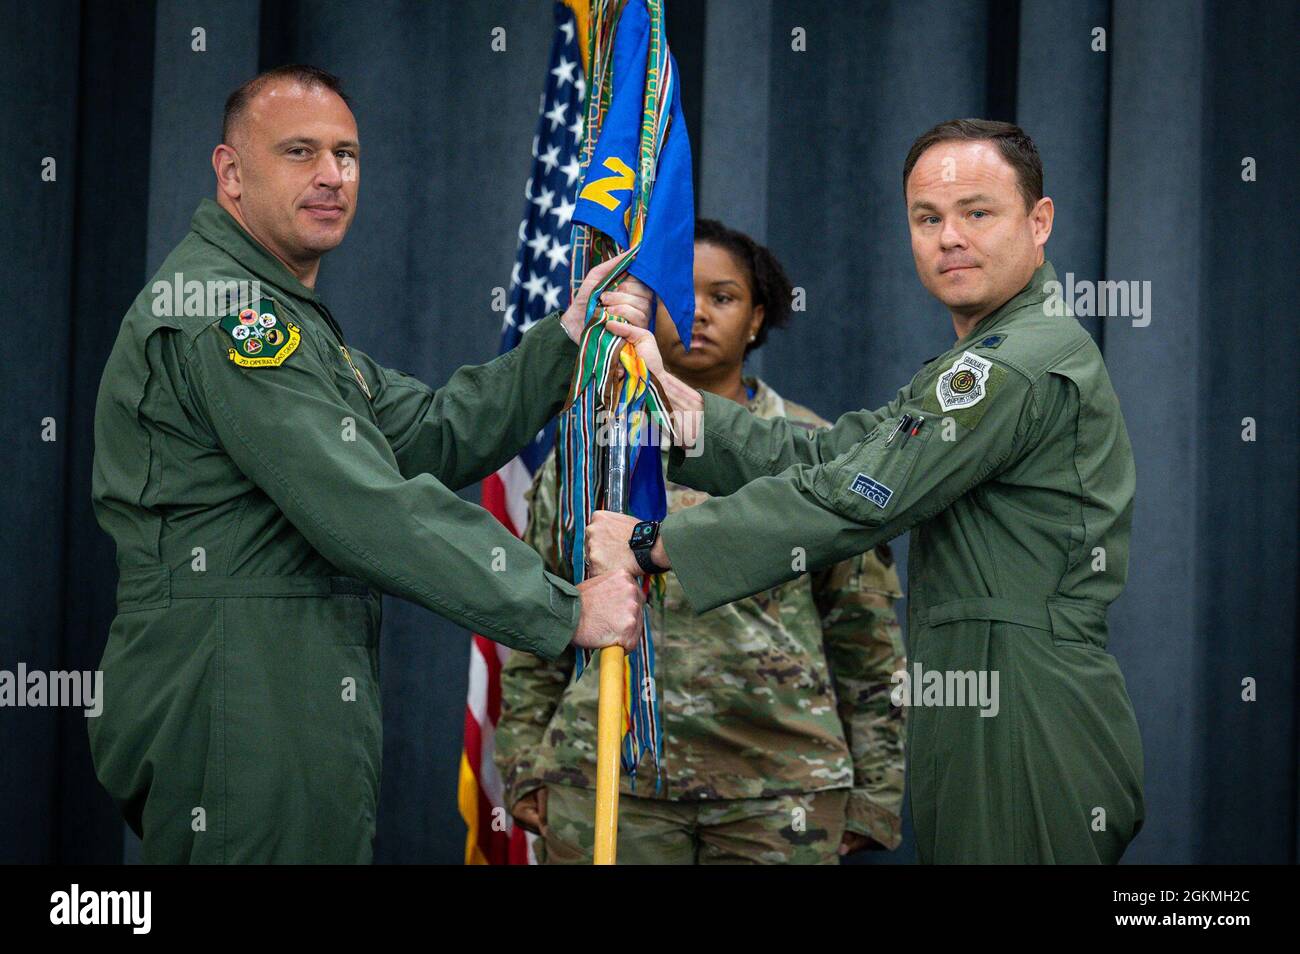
[{"x": 628, "y": 57}]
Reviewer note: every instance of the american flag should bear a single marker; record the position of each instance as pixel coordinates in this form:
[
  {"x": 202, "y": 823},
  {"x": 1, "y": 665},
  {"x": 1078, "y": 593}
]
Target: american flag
[{"x": 539, "y": 284}]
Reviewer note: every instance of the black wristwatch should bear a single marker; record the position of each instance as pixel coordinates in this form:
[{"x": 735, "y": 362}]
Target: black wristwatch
[{"x": 644, "y": 535}]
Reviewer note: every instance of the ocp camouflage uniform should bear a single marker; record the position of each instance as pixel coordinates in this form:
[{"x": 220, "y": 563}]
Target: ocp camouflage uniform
[{"x": 765, "y": 702}]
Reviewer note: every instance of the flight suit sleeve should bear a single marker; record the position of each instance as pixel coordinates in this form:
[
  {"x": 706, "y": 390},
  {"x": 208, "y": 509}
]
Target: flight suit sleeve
[
  {"x": 727, "y": 548},
  {"x": 334, "y": 476},
  {"x": 531, "y": 688},
  {"x": 864, "y": 647},
  {"x": 736, "y": 446},
  {"x": 484, "y": 414},
  {"x": 543, "y": 498}
]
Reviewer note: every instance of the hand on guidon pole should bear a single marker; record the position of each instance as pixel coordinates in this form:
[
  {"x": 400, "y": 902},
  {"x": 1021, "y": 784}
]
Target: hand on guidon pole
[
  {"x": 611, "y": 611},
  {"x": 643, "y": 340},
  {"x": 630, "y": 302},
  {"x": 607, "y": 537},
  {"x": 686, "y": 401},
  {"x": 610, "y": 622}
]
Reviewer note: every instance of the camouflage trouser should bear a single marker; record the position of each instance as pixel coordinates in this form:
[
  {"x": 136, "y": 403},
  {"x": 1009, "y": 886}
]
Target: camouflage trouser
[{"x": 792, "y": 829}]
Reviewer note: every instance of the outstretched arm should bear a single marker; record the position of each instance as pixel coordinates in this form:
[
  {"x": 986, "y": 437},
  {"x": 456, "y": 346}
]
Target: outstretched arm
[
  {"x": 485, "y": 414},
  {"x": 721, "y": 446},
  {"x": 333, "y": 475},
  {"x": 816, "y": 514}
]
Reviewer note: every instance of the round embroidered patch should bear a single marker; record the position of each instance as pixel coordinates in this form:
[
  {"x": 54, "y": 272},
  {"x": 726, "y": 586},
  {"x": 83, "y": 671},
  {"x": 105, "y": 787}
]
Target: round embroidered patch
[{"x": 962, "y": 382}]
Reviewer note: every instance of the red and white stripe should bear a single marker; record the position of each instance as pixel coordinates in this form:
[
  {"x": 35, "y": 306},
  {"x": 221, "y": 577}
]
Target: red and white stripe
[{"x": 492, "y": 838}]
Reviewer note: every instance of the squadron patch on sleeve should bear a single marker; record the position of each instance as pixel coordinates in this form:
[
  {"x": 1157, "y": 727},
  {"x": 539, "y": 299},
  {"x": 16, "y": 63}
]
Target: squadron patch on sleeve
[
  {"x": 963, "y": 384},
  {"x": 259, "y": 338}
]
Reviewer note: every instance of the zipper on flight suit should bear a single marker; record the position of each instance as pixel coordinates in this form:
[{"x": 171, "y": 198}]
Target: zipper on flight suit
[
  {"x": 329, "y": 319},
  {"x": 343, "y": 348}
]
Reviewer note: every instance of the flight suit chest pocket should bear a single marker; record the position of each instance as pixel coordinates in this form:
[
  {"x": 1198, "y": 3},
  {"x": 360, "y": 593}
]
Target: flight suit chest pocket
[{"x": 876, "y": 472}]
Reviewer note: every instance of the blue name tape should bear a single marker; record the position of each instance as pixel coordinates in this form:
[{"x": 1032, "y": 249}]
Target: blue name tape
[{"x": 873, "y": 490}]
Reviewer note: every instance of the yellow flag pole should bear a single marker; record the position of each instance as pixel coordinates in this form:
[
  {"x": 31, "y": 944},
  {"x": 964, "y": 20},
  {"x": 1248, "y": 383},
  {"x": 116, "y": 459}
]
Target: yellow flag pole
[
  {"x": 609, "y": 738},
  {"x": 609, "y": 708}
]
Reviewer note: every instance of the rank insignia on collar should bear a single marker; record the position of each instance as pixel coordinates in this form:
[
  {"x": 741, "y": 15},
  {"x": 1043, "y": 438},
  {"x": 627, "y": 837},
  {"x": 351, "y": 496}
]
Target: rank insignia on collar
[
  {"x": 259, "y": 338},
  {"x": 992, "y": 341}
]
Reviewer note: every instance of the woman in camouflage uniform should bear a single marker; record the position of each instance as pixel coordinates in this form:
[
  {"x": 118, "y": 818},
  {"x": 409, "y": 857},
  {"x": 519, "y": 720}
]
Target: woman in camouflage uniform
[{"x": 780, "y": 743}]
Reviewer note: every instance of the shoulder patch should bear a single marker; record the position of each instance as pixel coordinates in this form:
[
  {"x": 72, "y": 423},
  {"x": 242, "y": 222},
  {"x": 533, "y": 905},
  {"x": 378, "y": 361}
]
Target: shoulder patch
[
  {"x": 259, "y": 338},
  {"x": 960, "y": 390},
  {"x": 963, "y": 384},
  {"x": 992, "y": 341}
]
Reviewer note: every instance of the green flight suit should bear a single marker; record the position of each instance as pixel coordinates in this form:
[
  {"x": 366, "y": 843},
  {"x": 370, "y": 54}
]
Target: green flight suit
[
  {"x": 258, "y": 512},
  {"x": 1019, "y": 489}
]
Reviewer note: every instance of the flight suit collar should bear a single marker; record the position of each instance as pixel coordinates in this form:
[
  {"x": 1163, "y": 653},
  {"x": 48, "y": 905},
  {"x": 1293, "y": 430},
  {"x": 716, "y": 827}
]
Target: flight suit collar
[
  {"x": 219, "y": 227},
  {"x": 1031, "y": 294}
]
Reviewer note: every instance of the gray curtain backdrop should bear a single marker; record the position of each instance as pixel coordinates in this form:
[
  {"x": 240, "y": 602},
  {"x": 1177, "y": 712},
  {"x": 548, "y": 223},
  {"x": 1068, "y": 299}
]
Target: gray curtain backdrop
[{"x": 1143, "y": 145}]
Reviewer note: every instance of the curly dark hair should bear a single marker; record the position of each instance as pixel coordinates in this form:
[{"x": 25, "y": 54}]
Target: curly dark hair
[{"x": 768, "y": 284}]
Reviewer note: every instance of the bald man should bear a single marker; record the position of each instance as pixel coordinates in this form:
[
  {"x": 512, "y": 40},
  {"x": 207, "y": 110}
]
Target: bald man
[{"x": 264, "y": 482}]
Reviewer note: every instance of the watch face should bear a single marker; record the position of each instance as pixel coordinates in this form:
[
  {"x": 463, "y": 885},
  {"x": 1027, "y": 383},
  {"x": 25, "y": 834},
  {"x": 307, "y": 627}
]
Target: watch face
[{"x": 642, "y": 532}]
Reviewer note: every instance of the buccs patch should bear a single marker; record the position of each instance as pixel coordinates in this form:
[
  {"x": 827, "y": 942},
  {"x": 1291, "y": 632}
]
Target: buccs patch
[
  {"x": 259, "y": 338},
  {"x": 872, "y": 489}
]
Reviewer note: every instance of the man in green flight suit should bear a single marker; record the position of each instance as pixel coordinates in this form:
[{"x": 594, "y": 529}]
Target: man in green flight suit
[
  {"x": 1008, "y": 458},
  {"x": 263, "y": 482}
]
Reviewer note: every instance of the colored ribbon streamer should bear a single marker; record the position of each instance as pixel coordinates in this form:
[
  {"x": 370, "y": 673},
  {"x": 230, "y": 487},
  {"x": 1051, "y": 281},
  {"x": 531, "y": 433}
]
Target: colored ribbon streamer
[{"x": 599, "y": 397}]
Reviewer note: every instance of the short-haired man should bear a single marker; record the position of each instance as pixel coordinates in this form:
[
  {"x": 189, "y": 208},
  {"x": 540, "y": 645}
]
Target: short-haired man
[
  {"x": 1009, "y": 458},
  {"x": 264, "y": 481}
]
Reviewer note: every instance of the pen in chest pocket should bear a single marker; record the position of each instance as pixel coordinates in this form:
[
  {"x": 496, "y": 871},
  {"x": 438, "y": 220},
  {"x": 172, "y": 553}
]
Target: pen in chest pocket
[{"x": 904, "y": 423}]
